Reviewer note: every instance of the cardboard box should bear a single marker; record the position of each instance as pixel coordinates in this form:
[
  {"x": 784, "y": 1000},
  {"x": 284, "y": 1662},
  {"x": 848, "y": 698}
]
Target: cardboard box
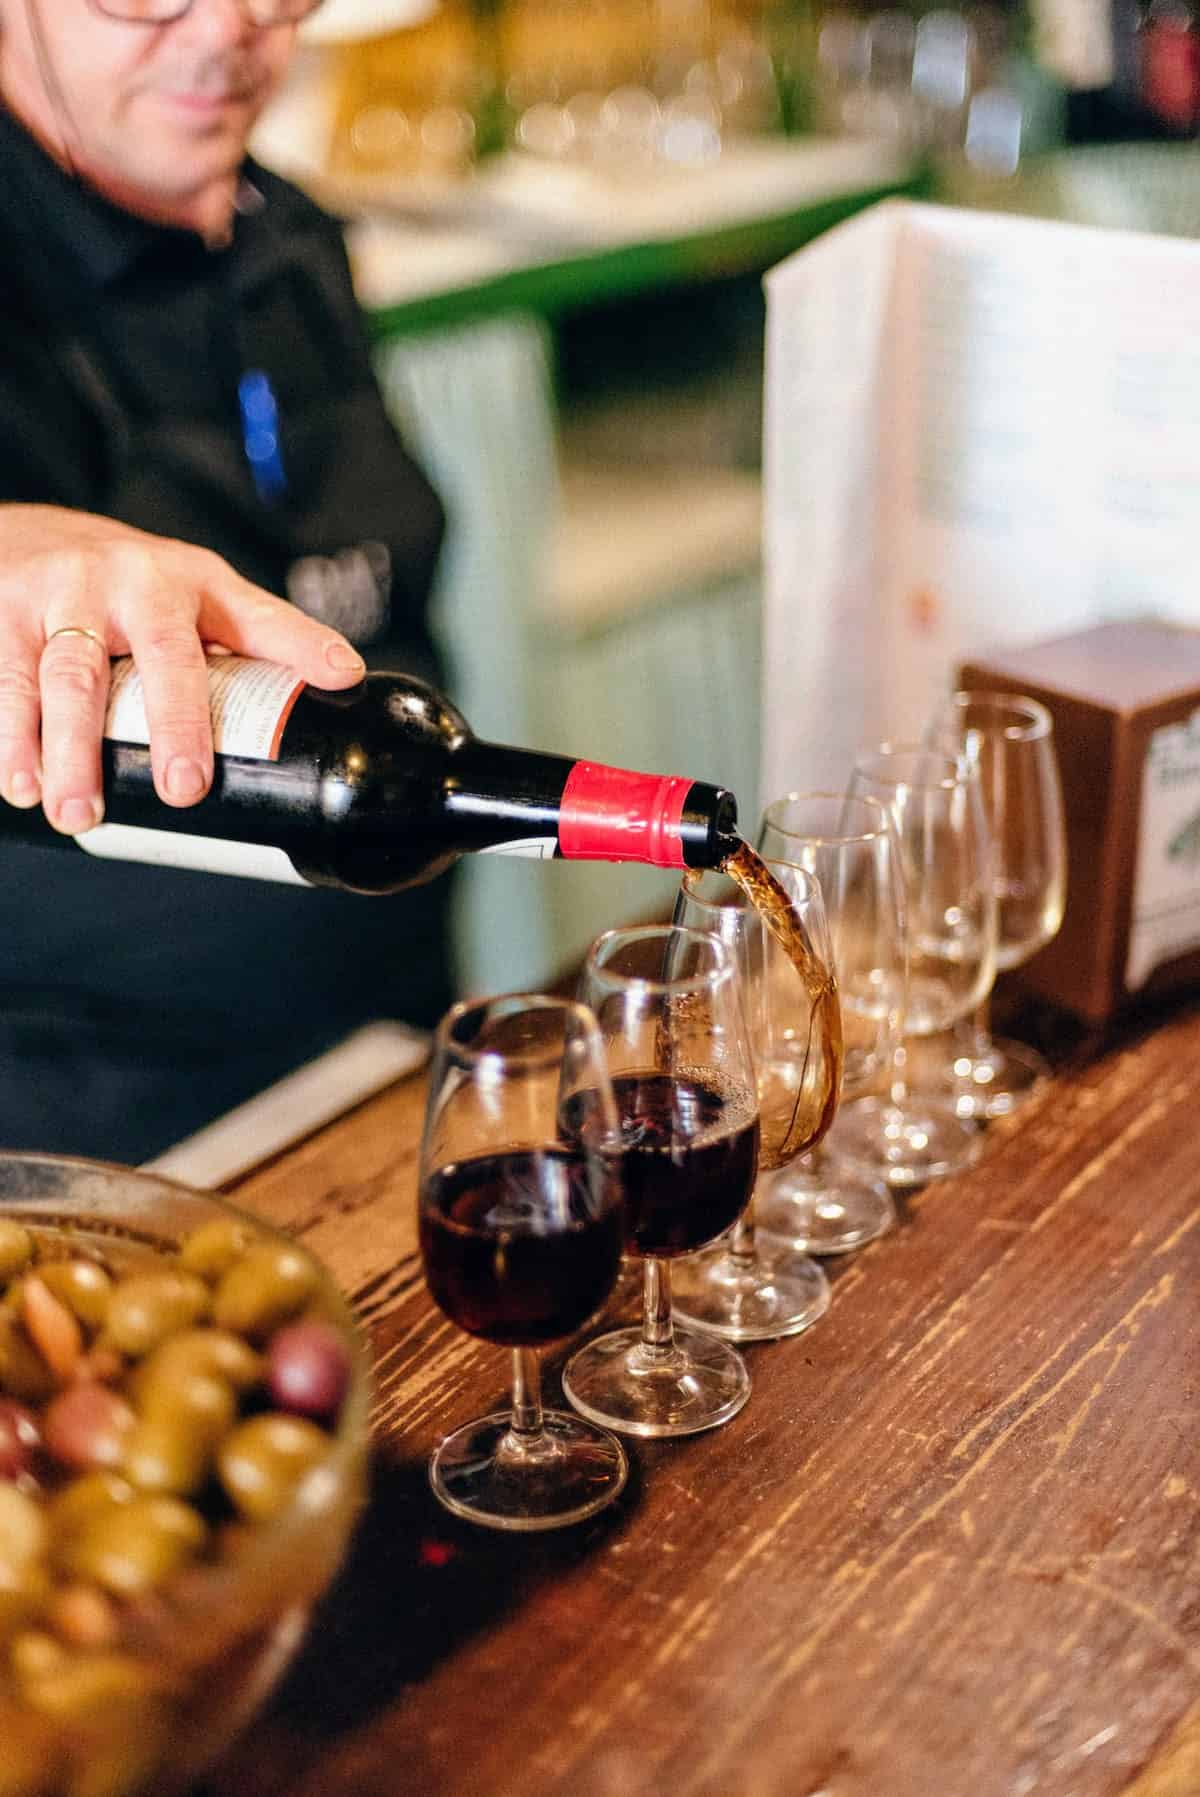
[{"x": 1125, "y": 698}]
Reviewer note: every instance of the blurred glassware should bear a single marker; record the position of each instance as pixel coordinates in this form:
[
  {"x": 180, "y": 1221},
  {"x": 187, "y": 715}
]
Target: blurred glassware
[
  {"x": 943, "y": 58},
  {"x": 850, "y": 845},
  {"x": 740, "y": 1288},
  {"x": 745, "y": 82},
  {"x": 620, "y": 85},
  {"x": 950, "y": 910},
  {"x": 408, "y": 105},
  {"x": 843, "y": 56},
  {"x": 995, "y": 129},
  {"x": 1010, "y": 739},
  {"x": 885, "y": 107}
]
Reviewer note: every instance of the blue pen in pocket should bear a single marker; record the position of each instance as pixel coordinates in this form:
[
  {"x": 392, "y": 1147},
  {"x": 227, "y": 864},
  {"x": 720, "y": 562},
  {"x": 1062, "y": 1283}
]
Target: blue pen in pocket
[{"x": 260, "y": 433}]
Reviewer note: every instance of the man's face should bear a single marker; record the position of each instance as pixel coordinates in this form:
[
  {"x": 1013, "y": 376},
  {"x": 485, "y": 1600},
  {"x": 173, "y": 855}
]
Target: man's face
[{"x": 155, "y": 116}]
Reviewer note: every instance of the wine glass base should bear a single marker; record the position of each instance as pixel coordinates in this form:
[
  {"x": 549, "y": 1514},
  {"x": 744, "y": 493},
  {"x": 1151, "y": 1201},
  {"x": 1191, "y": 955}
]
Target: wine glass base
[
  {"x": 618, "y": 1382},
  {"x": 997, "y": 1081},
  {"x": 816, "y": 1209},
  {"x": 770, "y": 1295},
  {"x": 906, "y": 1145},
  {"x": 488, "y": 1475}
]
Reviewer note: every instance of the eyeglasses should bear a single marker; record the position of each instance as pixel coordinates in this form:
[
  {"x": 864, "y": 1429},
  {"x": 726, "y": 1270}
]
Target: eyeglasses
[{"x": 165, "y": 12}]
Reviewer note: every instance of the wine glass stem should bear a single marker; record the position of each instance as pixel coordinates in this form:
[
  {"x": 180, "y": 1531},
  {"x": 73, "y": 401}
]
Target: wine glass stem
[
  {"x": 741, "y": 1242},
  {"x": 899, "y": 1085},
  {"x": 526, "y": 1394},
  {"x": 981, "y": 1026},
  {"x": 657, "y": 1329}
]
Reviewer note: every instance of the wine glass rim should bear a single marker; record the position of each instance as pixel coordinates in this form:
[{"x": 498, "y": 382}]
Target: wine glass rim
[
  {"x": 739, "y": 901},
  {"x": 882, "y": 829},
  {"x": 721, "y": 969},
  {"x": 1038, "y": 722},
  {"x": 867, "y": 763},
  {"x": 546, "y": 1054}
]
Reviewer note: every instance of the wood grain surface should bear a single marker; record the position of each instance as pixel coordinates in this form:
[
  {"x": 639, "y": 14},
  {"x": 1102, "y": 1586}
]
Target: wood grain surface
[{"x": 949, "y": 1549}]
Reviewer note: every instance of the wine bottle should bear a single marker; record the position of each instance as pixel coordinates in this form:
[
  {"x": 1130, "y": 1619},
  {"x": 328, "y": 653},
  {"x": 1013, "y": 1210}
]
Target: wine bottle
[{"x": 374, "y": 789}]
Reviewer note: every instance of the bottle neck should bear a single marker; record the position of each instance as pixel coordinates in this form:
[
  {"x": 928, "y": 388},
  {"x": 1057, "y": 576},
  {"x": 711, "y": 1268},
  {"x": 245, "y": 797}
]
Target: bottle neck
[{"x": 590, "y": 810}]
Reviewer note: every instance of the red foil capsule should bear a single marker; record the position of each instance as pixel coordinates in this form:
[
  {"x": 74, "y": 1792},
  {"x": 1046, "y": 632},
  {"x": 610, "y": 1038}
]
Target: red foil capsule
[{"x": 610, "y": 814}]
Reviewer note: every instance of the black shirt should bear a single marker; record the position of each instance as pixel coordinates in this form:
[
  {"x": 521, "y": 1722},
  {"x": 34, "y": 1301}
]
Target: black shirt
[
  {"x": 136, "y": 1003},
  {"x": 124, "y": 344}
]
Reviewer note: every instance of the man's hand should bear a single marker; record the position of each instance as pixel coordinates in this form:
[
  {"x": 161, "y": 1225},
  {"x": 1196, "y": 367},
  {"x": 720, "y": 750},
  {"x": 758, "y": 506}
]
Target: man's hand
[{"x": 150, "y": 597}]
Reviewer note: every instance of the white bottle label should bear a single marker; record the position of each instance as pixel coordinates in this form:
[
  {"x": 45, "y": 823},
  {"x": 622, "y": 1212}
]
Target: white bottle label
[
  {"x": 198, "y": 854},
  {"x": 1165, "y": 920},
  {"x": 528, "y": 848},
  {"x": 250, "y": 702}
]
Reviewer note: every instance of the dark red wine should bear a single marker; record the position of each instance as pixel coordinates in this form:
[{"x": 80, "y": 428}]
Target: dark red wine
[
  {"x": 376, "y": 789},
  {"x": 689, "y": 1155},
  {"x": 521, "y": 1248}
]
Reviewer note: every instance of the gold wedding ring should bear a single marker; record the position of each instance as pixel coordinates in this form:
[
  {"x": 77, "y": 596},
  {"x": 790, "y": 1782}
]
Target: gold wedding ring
[{"x": 77, "y": 630}]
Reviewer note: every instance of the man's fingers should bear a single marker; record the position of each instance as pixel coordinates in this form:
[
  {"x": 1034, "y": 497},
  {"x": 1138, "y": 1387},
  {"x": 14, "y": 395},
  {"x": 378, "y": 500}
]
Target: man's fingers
[
  {"x": 73, "y": 683},
  {"x": 120, "y": 591},
  {"x": 168, "y": 655},
  {"x": 253, "y": 622},
  {"x": 20, "y": 716}
]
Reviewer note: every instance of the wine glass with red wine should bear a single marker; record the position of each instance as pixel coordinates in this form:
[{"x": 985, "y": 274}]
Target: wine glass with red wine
[
  {"x": 521, "y": 1231},
  {"x": 747, "y": 1288},
  {"x": 668, "y": 1006}
]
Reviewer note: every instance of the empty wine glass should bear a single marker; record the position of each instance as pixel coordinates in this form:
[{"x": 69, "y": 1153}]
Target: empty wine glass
[
  {"x": 850, "y": 844},
  {"x": 745, "y": 1288},
  {"x": 674, "y": 1033},
  {"x": 521, "y": 1241},
  {"x": 912, "y": 1136},
  {"x": 1010, "y": 739}
]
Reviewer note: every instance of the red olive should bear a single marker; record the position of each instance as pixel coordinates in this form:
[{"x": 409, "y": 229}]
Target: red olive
[
  {"x": 308, "y": 1369},
  {"x": 20, "y": 1439},
  {"x": 86, "y": 1425}
]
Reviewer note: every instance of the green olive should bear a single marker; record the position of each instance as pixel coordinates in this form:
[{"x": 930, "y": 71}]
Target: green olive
[
  {"x": 261, "y": 1462},
  {"x": 16, "y": 1247},
  {"x": 212, "y": 1353},
  {"x": 134, "y": 1547},
  {"x": 35, "y": 1653},
  {"x": 162, "y": 1457},
  {"x": 171, "y": 1447},
  {"x": 22, "y": 1594},
  {"x": 80, "y": 1685},
  {"x": 81, "y": 1285},
  {"x": 147, "y": 1307},
  {"x": 212, "y": 1249},
  {"x": 70, "y": 1509},
  {"x": 268, "y": 1286},
  {"x": 24, "y": 1532}
]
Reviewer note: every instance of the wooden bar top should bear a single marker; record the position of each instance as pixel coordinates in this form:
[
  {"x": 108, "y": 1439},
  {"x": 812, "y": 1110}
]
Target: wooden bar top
[{"x": 949, "y": 1549}]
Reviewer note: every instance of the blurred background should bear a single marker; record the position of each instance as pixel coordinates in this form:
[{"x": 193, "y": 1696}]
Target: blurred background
[{"x": 560, "y": 213}]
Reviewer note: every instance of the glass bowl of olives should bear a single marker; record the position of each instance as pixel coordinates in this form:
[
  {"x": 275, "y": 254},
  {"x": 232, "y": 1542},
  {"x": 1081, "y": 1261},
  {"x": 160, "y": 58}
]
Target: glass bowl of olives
[{"x": 183, "y": 1443}]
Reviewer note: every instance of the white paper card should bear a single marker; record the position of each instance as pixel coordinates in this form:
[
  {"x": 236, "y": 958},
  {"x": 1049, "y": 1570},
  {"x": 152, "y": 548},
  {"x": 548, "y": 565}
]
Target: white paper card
[{"x": 980, "y": 432}]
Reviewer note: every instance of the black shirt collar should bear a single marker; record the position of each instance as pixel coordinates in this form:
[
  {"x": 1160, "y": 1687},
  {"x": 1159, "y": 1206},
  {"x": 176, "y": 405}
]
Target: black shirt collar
[{"x": 103, "y": 241}]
